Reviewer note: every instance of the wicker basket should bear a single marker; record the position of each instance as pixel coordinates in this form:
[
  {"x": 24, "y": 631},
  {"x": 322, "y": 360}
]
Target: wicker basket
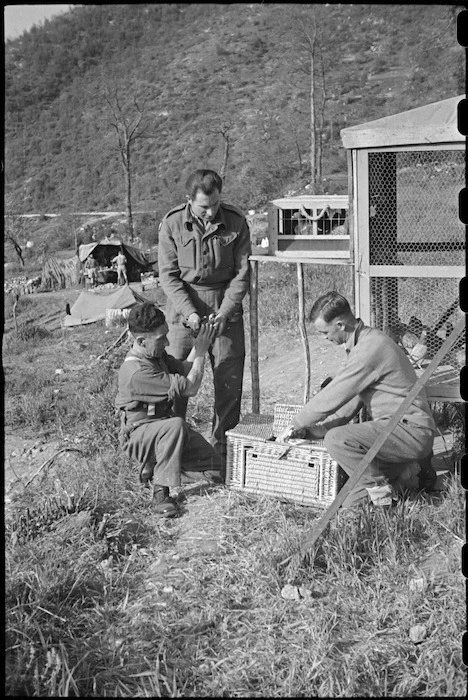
[
  {"x": 303, "y": 472},
  {"x": 284, "y": 414},
  {"x": 253, "y": 430}
]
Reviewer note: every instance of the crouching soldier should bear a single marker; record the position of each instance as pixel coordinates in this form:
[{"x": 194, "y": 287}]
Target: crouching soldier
[
  {"x": 377, "y": 375},
  {"x": 149, "y": 381}
]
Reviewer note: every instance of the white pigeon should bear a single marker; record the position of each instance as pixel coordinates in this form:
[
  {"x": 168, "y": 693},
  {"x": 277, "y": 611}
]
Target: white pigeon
[
  {"x": 408, "y": 339},
  {"x": 419, "y": 351}
]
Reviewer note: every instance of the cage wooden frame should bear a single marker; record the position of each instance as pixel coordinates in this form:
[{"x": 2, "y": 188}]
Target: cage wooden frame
[{"x": 407, "y": 148}]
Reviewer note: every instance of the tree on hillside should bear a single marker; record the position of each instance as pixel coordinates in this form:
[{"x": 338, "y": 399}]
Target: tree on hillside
[
  {"x": 306, "y": 26},
  {"x": 224, "y": 129},
  {"x": 219, "y": 123},
  {"x": 129, "y": 119},
  {"x": 14, "y": 231}
]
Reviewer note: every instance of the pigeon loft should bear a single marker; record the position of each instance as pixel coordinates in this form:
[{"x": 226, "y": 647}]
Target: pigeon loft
[
  {"x": 314, "y": 226},
  {"x": 406, "y": 172}
]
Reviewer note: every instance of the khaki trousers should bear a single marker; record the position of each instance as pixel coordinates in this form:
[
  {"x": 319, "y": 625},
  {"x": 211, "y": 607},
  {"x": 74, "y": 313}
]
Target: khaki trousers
[{"x": 348, "y": 444}]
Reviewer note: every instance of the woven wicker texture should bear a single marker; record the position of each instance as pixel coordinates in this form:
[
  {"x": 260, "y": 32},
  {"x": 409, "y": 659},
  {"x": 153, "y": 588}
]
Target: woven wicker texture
[
  {"x": 283, "y": 416},
  {"x": 302, "y": 473}
]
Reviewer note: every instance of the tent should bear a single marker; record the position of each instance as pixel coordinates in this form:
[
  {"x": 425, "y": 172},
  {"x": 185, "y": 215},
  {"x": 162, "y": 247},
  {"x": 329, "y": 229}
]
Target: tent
[
  {"x": 104, "y": 251},
  {"x": 91, "y": 307}
]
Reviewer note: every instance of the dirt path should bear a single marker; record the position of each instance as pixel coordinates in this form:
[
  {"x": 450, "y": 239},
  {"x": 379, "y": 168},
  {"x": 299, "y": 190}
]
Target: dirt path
[{"x": 282, "y": 367}]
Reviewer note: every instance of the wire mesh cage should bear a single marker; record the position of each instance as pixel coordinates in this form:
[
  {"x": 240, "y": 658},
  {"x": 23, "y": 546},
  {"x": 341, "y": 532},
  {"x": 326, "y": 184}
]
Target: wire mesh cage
[
  {"x": 316, "y": 225},
  {"x": 418, "y": 311},
  {"x": 304, "y": 222},
  {"x": 413, "y": 222},
  {"x": 413, "y": 207}
]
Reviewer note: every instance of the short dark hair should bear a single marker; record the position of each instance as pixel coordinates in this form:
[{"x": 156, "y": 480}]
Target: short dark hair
[
  {"x": 330, "y": 306},
  {"x": 207, "y": 181},
  {"x": 145, "y": 318}
]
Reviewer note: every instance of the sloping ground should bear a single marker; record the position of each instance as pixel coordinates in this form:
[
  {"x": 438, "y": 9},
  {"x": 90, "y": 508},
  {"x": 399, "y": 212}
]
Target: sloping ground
[
  {"x": 25, "y": 460},
  {"x": 199, "y": 530},
  {"x": 282, "y": 367}
]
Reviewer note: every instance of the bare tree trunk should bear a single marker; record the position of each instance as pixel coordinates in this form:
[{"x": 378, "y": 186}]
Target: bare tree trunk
[
  {"x": 321, "y": 119},
  {"x": 312, "y": 117},
  {"x": 18, "y": 249},
  {"x": 129, "y": 124},
  {"x": 227, "y": 144},
  {"x": 299, "y": 156},
  {"x": 128, "y": 199},
  {"x": 311, "y": 42}
]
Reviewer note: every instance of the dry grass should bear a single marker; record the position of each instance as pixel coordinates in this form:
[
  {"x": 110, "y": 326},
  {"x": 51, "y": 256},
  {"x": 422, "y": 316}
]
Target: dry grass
[
  {"x": 102, "y": 601},
  {"x": 224, "y": 630}
]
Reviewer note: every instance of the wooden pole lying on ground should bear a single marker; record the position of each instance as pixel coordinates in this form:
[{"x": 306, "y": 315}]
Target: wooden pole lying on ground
[
  {"x": 309, "y": 542},
  {"x": 119, "y": 339},
  {"x": 50, "y": 460},
  {"x": 254, "y": 336},
  {"x": 302, "y": 329}
]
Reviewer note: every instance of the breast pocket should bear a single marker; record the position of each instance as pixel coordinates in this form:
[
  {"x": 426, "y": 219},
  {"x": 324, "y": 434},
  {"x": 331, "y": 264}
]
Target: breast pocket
[
  {"x": 186, "y": 252},
  {"x": 223, "y": 249}
]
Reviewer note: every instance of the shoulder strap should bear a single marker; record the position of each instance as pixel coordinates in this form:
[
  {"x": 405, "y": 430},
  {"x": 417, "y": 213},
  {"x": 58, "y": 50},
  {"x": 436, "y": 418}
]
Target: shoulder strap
[
  {"x": 176, "y": 209},
  {"x": 233, "y": 208}
]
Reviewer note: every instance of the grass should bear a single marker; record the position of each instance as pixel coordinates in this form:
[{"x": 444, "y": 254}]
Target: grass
[{"x": 101, "y": 600}]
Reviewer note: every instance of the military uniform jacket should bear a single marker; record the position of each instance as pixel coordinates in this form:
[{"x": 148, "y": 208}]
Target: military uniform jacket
[
  {"x": 147, "y": 387},
  {"x": 192, "y": 260}
]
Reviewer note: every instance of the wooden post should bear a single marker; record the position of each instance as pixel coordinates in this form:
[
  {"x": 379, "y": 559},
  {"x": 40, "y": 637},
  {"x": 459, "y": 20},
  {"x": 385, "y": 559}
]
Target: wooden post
[
  {"x": 383, "y": 242},
  {"x": 303, "y": 329},
  {"x": 254, "y": 336},
  {"x": 17, "y": 296}
]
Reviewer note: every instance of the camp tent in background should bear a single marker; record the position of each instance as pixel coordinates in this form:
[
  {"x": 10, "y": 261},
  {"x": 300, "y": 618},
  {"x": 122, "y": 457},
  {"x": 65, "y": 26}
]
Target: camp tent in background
[
  {"x": 104, "y": 251},
  {"x": 58, "y": 274},
  {"x": 91, "y": 307}
]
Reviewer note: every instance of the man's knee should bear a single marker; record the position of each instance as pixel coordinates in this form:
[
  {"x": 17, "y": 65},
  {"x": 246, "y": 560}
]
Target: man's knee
[
  {"x": 334, "y": 439},
  {"x": 175, "y": 426}
]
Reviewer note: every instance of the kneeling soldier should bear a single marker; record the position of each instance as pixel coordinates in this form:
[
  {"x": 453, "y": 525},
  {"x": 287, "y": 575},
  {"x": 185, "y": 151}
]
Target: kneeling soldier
[{"x": 149, "y": 382}]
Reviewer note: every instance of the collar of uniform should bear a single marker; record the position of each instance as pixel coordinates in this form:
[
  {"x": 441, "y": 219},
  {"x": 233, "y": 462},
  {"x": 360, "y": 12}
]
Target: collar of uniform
[
  {"x": 188, "y": 217},
  {"x": 354, "y": 337},
  {"x": 218, "y": 221}
]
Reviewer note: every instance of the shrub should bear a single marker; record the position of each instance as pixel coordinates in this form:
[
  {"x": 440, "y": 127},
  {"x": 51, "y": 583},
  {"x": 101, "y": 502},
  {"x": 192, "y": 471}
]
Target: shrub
[{"x": 30, "y": 332}]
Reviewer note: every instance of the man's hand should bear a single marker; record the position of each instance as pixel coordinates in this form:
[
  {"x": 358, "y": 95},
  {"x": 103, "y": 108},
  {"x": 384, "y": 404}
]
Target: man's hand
[
  {"x": 316, "y": 432},
  {"x": 220, "y": 324},
  {"x": 205, "y": 337},
  {"x": 193, "y": 322},
  {"x": 286, "y": 434}
]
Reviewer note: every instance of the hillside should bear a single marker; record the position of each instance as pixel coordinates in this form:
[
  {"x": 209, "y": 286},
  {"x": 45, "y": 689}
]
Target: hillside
[{"x": 207, "y": 77}]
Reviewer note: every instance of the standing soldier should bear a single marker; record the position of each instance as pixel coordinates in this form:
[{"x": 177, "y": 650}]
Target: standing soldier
[
  {"x": 204, "y": 248},
  {"x": 121, "y": 262},
  {"x": 91, "y": 267}
]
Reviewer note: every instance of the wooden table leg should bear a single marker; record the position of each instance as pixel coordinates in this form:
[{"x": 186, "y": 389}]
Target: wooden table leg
[
  {"x": 303, "y": 329},
  {"x": 254, "y": 336}
]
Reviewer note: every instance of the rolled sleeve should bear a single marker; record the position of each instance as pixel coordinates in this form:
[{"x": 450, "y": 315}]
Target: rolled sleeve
[{"x": 154, "y": 385}]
